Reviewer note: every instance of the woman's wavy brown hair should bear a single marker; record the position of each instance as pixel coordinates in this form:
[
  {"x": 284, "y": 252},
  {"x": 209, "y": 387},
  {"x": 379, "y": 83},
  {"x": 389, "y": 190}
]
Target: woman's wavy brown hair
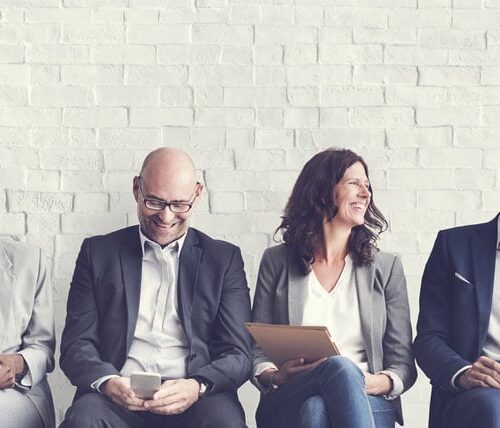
[{"x": 311, "y": 202}]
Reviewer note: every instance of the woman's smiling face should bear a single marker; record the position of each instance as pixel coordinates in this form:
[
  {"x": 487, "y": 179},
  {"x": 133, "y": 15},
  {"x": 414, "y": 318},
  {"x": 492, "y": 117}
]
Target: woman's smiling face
[{"x": 352, "y": 196}]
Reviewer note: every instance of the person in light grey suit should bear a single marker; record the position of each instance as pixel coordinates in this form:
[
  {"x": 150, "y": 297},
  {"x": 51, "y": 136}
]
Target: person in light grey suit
[
  {"x": 329, "y": 272},
  {"x": 27, "y": 338}
]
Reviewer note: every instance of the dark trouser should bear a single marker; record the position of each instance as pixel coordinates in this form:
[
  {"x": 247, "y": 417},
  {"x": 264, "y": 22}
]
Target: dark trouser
[
  {"x": 474, "y": 408},
  {"x": 94, "y": 410}
]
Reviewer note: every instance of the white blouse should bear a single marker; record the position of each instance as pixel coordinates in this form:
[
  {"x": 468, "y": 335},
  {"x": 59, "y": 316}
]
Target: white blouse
[{"x": 339, "y": 311}]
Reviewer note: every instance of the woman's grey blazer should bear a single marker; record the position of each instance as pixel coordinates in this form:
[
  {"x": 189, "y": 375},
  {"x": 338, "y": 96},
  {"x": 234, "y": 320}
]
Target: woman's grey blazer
[
  {"x": 383, "y": 305},
  {"x": 26, "y": 318}
]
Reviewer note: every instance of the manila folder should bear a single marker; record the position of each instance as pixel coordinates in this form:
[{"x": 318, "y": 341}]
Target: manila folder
[{"x": 287, "y": 342}]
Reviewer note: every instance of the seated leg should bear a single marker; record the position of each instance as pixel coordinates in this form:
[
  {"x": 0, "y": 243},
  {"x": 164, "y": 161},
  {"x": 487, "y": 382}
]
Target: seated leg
[
  {"x": 383, "y": 411},
  {"x": 477, "y": 407},
  {"x": 94, "y": 410},
  {"x": 338, "y": 381},
  {"x": 222, "y": 410},
  {"x": 17, "y": 410},
  {"x": 313, "y": 414}
]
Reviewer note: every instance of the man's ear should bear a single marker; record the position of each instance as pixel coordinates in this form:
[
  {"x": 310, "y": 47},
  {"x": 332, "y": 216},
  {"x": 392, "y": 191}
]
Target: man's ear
[
  {"x": 135, "y": 188},
  {"x": 199, "y": 191}
]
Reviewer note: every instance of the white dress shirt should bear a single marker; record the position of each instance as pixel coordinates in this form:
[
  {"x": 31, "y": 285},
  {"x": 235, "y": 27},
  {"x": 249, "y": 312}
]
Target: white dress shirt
[
  {"x": 491, "y": 347},
  {"x": 159, "y": 344}
]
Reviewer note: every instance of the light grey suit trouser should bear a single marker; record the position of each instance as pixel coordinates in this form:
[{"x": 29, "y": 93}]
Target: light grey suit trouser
[{"x": 17, "y": 410}]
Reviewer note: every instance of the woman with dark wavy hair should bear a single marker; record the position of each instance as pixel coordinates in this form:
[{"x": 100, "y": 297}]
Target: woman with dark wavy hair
[{"x": 328, "y": 271}]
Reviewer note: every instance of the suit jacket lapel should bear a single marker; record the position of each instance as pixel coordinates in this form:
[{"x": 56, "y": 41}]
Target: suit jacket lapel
[
  {"x": 131, "y": 264},
  {"x": 7, "y": 279},
  {"x": 297, "y": 288},
  {"x": 187, "y": 280},
  {"x": 364, "y": 285},
  {"x": 483, "y": 251}
]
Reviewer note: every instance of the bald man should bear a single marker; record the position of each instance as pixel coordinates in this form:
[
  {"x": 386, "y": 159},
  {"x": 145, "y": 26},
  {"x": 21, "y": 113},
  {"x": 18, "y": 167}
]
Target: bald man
[{"x": 160, "y": 297}]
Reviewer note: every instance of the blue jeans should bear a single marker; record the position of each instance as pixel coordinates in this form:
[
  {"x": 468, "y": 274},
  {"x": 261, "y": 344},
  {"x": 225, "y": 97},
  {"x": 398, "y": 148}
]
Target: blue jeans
[
  {"x": 477, "y": 407},
  {"x": 313, "y": 414},
  {"x": 339, "y": 383}
]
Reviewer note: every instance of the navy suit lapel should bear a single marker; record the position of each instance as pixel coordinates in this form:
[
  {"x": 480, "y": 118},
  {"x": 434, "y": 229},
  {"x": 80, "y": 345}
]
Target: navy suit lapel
[
  {"x": 483, "y": 250},
  {"x": 187, "y": 280},
  {"x": 131, "y": 264}
]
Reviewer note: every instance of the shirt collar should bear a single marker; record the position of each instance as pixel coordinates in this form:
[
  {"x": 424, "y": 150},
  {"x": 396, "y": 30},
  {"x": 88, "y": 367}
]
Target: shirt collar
[{"x": 178, "y": 243}]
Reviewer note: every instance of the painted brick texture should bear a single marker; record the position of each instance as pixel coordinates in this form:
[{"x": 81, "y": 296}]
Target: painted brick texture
[{"x": 251, "y": 89}]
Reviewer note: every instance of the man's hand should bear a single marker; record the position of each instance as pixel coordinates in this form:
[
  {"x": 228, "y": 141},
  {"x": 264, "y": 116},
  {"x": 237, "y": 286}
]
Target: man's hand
[
  {"x": 287, "y": 371},
  {"x": 119, "y": 391},
  {"x": 377, "y": 384},
  {"x": 174, "y": 397},
  {"x": 10, "y": 366},
  {"x": 485, "y": 372}
]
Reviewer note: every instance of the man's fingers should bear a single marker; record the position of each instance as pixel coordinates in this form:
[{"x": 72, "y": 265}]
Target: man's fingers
[
  {"x": 488, "y": 362},
  {"x": 171, "y": 409},
  {"x": 486, "y": 374}
]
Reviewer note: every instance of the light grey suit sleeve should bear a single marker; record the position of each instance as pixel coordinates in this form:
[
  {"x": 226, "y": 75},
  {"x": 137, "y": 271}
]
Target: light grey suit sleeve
[
  {"x": 38, "y": 340},
  {"x": 262, "y": 311},
  {"x": 397, "y": 351}
]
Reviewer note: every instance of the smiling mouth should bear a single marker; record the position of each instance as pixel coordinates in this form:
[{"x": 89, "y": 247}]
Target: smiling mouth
[
  {"x": 161, "y": 225},
  {"x": 358, "y": 206}
]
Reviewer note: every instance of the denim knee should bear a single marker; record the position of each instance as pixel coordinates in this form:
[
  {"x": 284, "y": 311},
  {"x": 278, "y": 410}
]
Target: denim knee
[
  {"x": 344, "y": 367},
  {"x": 313, "y": 405},
  {"x": 313, "y": 413}
]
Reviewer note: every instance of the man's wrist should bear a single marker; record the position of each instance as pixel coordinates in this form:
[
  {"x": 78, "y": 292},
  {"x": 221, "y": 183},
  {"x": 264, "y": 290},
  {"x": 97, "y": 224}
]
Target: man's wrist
[
  {"x": 204, "y": 386},
  {"x": 20, "y": 366},
  {"x": 459, "y": 379}
]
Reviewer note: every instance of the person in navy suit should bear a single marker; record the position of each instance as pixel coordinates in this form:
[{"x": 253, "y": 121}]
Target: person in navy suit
[
  {"x": 458, "y": 329},
  {"x": 159, "y": 297}
]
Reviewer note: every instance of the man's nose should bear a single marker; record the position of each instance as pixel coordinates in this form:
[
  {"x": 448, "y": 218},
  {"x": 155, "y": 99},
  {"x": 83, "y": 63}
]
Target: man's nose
[{"x": 166, "y": 215}]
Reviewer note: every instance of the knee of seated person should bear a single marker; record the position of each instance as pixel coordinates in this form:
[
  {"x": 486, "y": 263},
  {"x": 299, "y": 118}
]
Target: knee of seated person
[
  {"x": 83, "y": 412},
  {"x": 312, "y": 406},
  {"x": 487, "y": 406},
  {"x": 220, "y": 420},
  {"x": 342, "y": 365}
]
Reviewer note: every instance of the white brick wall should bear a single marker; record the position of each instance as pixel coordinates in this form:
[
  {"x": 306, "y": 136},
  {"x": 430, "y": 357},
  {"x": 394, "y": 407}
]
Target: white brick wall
[{"x": 251, "y": 89}]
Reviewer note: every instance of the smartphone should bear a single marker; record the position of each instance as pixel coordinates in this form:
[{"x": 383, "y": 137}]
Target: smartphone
[{"x": 145, "y": 384}]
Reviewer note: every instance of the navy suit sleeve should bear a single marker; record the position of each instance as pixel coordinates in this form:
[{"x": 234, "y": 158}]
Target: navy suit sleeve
[
  {"x": 80, "y": 359},
  {"x": 432, "y": 347},
  {"x": 230, "y": 347}
]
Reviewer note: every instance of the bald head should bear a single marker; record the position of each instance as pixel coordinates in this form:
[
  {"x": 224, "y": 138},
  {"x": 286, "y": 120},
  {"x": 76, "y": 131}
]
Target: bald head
[
  {"x": 173, "y": 160},
  {"x": 166, "y": 175}
]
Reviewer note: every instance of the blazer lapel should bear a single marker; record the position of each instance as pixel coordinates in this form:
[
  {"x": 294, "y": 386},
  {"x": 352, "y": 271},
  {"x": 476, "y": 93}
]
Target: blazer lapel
[
  {"x": 297, "y": 289},
  {"x": 7, "y": 279},
  {"x": 483, "y": 251},
  {"x": 364, "y": 285},
  {"x": 131, "y": 264},
  {"x": 187, "y": 280}
]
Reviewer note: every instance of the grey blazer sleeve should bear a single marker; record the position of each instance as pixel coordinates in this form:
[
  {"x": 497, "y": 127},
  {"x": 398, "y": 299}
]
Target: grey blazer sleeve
[
  {"x": 262, "y": 311},
  {"x": 38, "y": 340},
  {"x": 397, "y": 339}
]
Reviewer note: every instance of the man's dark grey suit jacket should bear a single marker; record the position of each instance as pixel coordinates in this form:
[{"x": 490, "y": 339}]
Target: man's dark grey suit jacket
[{"x": 103, "y": 304}]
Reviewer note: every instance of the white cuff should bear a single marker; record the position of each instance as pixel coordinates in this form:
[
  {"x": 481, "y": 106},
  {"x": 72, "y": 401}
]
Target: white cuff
[
  {"x": 397, "y": 385},
  {"x": 97, "y": 384},
  {"x": 258, "y": 370},
  {"x": 455, "y": 376}
]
